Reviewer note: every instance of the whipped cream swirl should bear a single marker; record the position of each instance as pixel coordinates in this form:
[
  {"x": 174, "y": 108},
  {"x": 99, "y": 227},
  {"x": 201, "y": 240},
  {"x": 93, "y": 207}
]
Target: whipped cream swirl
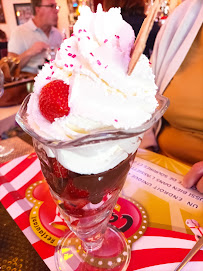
[{"x": 94, "y": 63}]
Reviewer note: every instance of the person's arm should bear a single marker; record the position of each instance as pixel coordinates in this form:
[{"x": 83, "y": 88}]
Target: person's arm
[
  {"x": 36, "y": 48},
  {"x": 194, "y": 177}
]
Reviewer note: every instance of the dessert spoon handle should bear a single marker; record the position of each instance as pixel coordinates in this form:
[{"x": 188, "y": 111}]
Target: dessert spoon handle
[{"x": 191, "y": 253}]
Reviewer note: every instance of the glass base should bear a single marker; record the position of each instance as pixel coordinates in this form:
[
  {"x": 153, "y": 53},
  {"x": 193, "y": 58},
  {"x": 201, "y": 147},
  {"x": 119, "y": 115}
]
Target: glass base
[{"x": 113, "y": 255}]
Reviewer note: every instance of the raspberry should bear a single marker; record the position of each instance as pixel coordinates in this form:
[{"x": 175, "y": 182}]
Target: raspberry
[
  {"x": 58, "y": 170},
  {"x": 75, "y": 207},
  {"x": 74, "y": 192},
  {"x": 53, "y": 100}
]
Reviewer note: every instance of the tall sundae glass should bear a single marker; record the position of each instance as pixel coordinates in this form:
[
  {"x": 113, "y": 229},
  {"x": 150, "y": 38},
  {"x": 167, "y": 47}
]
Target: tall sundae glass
[
  {"x": 86, "y": 200},
  {"x": 87, "y": 118}
]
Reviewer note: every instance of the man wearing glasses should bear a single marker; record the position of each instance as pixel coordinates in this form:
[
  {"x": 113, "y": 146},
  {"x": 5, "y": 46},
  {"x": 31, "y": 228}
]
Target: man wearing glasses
[{"x": 30, "y": 41}]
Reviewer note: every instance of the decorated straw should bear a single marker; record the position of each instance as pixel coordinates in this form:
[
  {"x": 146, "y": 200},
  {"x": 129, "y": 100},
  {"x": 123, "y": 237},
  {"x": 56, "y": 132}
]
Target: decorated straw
[{"x": 142, "y": 36}]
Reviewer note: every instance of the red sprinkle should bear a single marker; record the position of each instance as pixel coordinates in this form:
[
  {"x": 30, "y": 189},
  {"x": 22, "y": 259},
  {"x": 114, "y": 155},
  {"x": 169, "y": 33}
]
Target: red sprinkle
[
  {"x": 48, "y": 78},
  {"x": 69, "y": 54},
  {"x": 117, "y": 37},
  {"x": 116, "y": 120},
  {"x": 66, "y": 49},
  {"x": 52, "y": 73},
  {"x": 105, "y": 40},
  {"x": 84, "y": 30},
  {"x": 51, "y": 67},
  {"x": 91, "y": 54},
  {"x": 71, "y": 65},
  {"x": 78, "y": 39},
  {"x": 73, "y": 56},
  {"x": 98, "y": 62},
  {"x": 59, "y": 49},
  {"x": 106, "y": 66},
  {"x": 69, "y": 46},
  {"x": 72, "y": 35},
  {"x": 80, "y": 30},
  {"x": 150, "y": 63},
  {"x": 66, "y": 65},
  {"x": 88, "y": 37}
]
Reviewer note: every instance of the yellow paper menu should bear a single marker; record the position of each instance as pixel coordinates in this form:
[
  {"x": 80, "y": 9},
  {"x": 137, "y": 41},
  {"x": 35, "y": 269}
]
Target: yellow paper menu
[{"x": 155, "y": 181}]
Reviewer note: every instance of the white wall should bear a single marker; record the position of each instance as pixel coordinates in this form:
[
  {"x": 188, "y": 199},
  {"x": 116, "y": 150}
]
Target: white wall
[
  {"x": 11, "y": 19},
  {"x": 10, "y": 15}
]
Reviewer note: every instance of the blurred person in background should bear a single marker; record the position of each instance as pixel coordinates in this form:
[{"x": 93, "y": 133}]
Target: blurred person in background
[
  {"x": 30, "y": 40},
  {"x": 3, "y": 44},
  {"x": 133, "y": 12},
  {"x": 177, "y": 62}
]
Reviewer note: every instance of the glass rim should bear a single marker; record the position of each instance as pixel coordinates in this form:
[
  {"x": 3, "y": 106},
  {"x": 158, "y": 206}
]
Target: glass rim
[{"x": 95, "y": 136}]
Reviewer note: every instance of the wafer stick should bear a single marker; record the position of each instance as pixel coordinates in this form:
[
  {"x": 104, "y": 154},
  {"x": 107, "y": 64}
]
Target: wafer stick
[{"x": 143, "y": 34}]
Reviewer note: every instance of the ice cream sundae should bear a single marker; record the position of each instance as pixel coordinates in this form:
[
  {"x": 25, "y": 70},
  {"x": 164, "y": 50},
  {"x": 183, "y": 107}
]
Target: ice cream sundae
[{"x": 86, "y": 91}]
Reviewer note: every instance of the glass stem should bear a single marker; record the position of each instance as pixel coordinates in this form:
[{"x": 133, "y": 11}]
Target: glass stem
[{"x": 94, "y": 244}]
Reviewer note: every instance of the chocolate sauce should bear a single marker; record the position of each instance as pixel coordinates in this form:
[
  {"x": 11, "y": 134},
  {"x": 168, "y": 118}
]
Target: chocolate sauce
[
  {"x": 77, "y": 190},
  {"x": 98, "y": 185}
]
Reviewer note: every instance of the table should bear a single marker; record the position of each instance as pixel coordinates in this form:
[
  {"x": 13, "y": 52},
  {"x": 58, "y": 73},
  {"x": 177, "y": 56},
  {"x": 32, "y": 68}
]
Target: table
[
  {"x": 14, "y": 93},
  {"x": 12, "y": 148},
  {"x": 153, "y": 182},
  {"x": 7, "y": 117},
  {"x": 15, "y": 249}
]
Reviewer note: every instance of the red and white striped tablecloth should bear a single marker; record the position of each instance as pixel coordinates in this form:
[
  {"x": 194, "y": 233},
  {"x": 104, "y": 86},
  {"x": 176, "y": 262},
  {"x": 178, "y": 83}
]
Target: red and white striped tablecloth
[{"x": 157, "y": 250}]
